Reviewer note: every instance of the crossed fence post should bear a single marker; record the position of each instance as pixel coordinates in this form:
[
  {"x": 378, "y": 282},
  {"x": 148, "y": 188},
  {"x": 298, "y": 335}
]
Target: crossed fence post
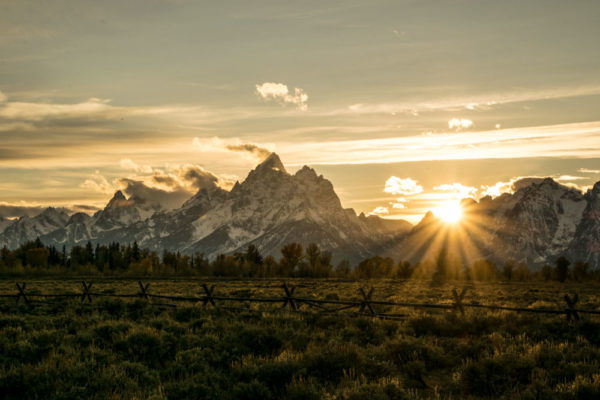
[
  {"x": 365, "y": 302},
  {"x": 570, "y": 310},
  {"x": 458, "y": 299},
  {"x": 86, "y": 292},
  {"x": 209, "y": 295},
  {"x": 21, "y": 293},
  {"x": 288, "y": 298},
  {"x": 144, "y": 291}
]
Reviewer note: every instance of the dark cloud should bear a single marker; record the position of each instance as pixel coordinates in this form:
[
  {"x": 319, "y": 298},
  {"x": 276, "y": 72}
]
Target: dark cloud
[
  {"x": 253, "y": 149},
  {"x": 527, "y": 181},
  {"x": 12, "y": 211},
  {"x": 199, "y": 178},
  {"x": 166, "y": 180},
  {"x": 139, "y": 191},
  {"x": 84, "y": 208}
]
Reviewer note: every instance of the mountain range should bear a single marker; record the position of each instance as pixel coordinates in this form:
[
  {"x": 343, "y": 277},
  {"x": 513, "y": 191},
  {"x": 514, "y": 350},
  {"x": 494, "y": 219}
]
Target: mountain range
[{"x": 537, "y": 223}]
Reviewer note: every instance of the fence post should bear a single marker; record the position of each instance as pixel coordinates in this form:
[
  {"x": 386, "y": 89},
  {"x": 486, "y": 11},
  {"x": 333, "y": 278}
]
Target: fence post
[
  {"x": 21, "y": 293},
  {"x": 144, "y": 290},
  {"x": 458, "y": 298},
  {"x": 209, "y": 295},
  {"x": 570, "y": 310},
  {"x": 86, "y": 292},
  {"x": 288, "y": 299},
  {"x": 365, "y": 302}
]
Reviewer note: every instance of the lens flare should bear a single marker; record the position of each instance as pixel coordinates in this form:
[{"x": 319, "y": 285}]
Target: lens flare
[{"x": 450, "y": 212}]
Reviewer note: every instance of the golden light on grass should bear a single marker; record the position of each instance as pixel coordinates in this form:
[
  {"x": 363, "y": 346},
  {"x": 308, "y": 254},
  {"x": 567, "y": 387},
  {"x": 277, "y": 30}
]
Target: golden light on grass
[{"x": 450, "y": 211}]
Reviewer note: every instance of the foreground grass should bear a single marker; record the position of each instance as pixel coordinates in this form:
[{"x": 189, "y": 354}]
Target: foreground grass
[{"x": 129, "y": 349}]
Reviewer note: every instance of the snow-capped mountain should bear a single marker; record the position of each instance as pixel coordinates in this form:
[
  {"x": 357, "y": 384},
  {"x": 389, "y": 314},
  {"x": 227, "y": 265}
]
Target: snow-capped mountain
[
  {"x": 119, "y": 214},
  {"x": 29, "y": 228},
  {"x": 269, "y": 209},
  {"x": 4, "y": 223},
  {"x": 537, "y": 223},
  {"x": 586, "y": 241}
]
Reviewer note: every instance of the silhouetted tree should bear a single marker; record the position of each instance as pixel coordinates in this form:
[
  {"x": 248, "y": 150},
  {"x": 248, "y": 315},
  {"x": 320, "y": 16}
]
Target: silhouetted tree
[
  {"x": 581, "y": 270},
  {"x": 562, "y": 268},
  {"x": 508, "y": 270},
  {"x": 291, "y": 255},
  {"x": 405, "y": 270}
]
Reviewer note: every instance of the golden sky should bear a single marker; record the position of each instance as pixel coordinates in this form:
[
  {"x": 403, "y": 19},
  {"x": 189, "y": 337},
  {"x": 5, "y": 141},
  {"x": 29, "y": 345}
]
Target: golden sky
[{"x": 402, "y": 104}]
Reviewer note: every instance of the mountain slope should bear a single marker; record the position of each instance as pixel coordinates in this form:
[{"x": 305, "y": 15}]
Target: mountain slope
[
  {"x": 29, "y": 228},
  {"x": 535, "y": 224},
  {"x": 269, "y": 209},
  {"x": 586, "y": 241}
]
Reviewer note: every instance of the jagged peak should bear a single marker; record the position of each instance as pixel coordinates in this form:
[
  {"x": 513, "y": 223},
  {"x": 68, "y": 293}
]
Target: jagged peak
[
  {"x": 306, "y": 171},
  {"x": 51, "y": 211},
  {"x": 118, "y": 200},
  {"x": 119, "y": 196},
  {"x": 272, "y": 162},
  {"x": 78, "y": 217},
  {"x": 428, "y": 218}
]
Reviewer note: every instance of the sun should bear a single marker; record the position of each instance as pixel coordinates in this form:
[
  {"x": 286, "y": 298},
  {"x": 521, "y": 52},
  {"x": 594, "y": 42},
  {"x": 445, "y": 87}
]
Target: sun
[{"x": 450, "y": 212}]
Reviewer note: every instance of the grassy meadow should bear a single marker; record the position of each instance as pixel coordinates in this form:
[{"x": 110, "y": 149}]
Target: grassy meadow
[{"x": 127, "y": 348}]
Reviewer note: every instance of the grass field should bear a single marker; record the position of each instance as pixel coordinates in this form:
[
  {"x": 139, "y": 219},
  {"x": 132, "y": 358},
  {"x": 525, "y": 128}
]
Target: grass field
[{"x": 126, "y": 348}]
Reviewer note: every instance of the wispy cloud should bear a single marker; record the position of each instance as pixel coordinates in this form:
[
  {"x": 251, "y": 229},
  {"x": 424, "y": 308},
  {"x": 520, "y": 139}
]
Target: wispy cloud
[
  {"x": 458, "y": 189},
  {"x": 260, "y": 152},
  {"x": 98, "y": 183},
  {"x": 127, "y": 163},
  {"x": 563, "y": 178},
  {"x": 280, "y": 93},
  {"x": 567, "y": 140},
  {"x": 479, "y": 102},
  {"x": 589, "y": 171}
]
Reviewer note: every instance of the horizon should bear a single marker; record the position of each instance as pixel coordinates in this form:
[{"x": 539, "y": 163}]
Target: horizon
[
  {"x": 449, "y": 211},
  {"x": 404, "y": 106}
]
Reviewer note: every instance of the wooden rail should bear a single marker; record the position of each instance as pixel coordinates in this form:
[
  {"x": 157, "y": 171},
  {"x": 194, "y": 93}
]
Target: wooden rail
[{"x": 365, "y": 306}]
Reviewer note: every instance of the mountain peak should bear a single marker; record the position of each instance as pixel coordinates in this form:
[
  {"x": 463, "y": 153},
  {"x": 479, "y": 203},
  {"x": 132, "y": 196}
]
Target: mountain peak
[
  {"x": 117, "y": 200},
  {"x": 272, "y": 162}
]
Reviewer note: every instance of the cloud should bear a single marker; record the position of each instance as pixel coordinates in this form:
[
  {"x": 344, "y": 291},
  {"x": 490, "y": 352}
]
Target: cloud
[
  {"x": 98, "y": 183},
  {"x": 380, "y": 211},
  {"x": 169, "y": 187},
  {"x": 459, "y": 189},
  {"x": 457, "y": 103},
  {"x": 198, "y": 178},
  {"x": 570, "y": 178},
  {"x": 398, "y": 205},
  {"x": 21, "y": 209},
  {"x": 565, "y": 140},
  {"x": 127, "y": 163},
  {"x": 510, "y": 186},
  {"x": 588, "y": 171},
  {"x": 460, "y": 123},
  {"x": 216, "y": 144},
  {"x": 8, "y": 210},
  {"x": 407, "y": 186},
  {"x": 140, "y": 192},
  {"x": 257, "y": 151},
  {"x": 280, "y": 93},
  {"x": 2, "y": 97}
]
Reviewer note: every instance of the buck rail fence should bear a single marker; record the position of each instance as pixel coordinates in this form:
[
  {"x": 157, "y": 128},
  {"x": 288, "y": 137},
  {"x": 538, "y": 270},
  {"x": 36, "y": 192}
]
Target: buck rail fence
[{"x": 366, "y": 305}]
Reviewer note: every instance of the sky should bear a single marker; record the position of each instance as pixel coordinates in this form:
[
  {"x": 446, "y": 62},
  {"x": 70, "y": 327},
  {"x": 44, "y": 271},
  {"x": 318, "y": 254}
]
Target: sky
[{"x": 402, "y": 104}]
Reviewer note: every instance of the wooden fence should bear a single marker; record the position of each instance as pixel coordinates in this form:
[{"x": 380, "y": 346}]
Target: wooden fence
[{"x": 366, "y": 305}]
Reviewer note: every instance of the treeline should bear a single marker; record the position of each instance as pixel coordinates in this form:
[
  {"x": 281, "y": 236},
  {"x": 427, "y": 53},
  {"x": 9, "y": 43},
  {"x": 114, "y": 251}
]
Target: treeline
[{"x": 295, "y": 261}]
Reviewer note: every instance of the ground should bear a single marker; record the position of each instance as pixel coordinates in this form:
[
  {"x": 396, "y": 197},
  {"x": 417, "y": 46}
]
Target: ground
[{"x": 127, "y": 348}]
